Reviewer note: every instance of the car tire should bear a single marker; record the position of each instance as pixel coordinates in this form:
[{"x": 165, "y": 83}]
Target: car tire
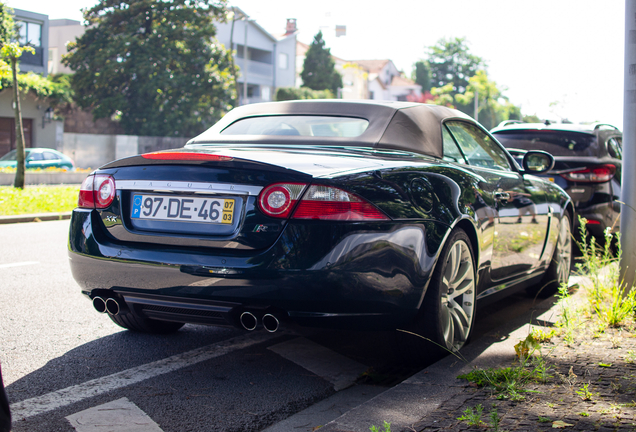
[
  {"x": 145, "y": 325},
  {"x": 559, "y": 270},
  {"x": 446, "y": 317}
]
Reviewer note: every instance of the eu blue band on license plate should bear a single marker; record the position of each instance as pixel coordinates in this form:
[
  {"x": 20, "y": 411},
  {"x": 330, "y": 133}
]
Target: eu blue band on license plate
[{"x": 184, "y": 209}]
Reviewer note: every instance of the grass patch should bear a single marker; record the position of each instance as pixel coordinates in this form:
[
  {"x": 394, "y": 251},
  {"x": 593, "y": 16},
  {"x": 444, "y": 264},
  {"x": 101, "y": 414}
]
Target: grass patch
[{"x": 37, "y": 199}]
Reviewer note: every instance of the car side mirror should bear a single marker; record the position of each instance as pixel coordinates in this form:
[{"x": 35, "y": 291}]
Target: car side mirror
[{"x": 537, "y": 162}]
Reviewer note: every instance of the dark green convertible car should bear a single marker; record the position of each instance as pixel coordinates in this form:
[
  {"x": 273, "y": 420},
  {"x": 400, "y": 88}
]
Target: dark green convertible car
[{"x": 357, "y": 215}]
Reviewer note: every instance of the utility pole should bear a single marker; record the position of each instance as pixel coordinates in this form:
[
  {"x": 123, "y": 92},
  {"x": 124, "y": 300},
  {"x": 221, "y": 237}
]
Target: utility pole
[
  {"x": 245, "y": 59},
  {"x": 476, "y": 105},
  {"x": 628, "y": 182}
]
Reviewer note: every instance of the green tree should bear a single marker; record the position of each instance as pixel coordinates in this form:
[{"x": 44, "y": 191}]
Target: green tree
[
  {"x": 422, "y": 75},
  {"x": 319, "y": 72},
  {"x": 154, "y": 64},
  {"x": 450, "y": 61},
  {"x": 11, "y": 52},
  {"x": 494, "y": 107}
]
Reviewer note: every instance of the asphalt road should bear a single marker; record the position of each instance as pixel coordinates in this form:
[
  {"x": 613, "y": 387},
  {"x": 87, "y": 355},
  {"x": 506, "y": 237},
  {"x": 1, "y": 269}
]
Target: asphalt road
[{"x": 60, "y": 358}]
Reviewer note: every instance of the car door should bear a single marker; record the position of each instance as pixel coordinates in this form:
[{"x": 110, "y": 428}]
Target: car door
[
  {"x": 51, "y": 160},
  {"x": 34, "y": 160},
  {"x": 521, "y": 220}
]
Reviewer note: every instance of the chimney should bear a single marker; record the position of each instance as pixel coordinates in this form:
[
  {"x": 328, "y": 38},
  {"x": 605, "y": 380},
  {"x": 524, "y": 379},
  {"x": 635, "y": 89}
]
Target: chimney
[{"x": 291, "y": 26}]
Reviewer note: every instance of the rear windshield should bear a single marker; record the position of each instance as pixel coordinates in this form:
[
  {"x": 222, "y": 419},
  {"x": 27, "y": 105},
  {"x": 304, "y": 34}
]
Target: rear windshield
[
  {"x": 318, "y": 126},
  {"x": 557, "y": 143}
]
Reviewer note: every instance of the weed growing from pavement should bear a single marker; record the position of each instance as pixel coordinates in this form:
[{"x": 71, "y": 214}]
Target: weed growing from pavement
[
  {"x": 495, "y": 420},
  {"x": 472, "y": 416},
  {"x": 608, "y": 305},
  {"x": 385, "y": 428},
  {"x": 544, "y": 420},
  {"x": 611, "y": 302},
  {"x": 585, "y": 393}
]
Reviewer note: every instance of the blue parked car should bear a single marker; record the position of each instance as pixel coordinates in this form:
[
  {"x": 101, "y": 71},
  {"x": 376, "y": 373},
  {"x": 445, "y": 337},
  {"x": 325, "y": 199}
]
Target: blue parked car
[{"x": 39, "y": 158}]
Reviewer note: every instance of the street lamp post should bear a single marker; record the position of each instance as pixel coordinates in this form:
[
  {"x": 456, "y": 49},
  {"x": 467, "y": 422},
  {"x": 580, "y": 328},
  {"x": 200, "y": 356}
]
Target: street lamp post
[{"x": 628, "y": 182}]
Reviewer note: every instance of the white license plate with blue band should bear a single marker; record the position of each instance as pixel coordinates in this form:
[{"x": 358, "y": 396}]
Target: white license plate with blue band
[{"x": 184, "y": 209}]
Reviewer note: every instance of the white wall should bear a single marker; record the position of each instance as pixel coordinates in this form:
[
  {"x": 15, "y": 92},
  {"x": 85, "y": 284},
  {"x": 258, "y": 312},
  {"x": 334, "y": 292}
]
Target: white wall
[
  {"x": 93, "y": 150},
  {"x": 286, "y": 77},
  {"x": 89, "y": 150},
  {"x": 59, "y": 36}
]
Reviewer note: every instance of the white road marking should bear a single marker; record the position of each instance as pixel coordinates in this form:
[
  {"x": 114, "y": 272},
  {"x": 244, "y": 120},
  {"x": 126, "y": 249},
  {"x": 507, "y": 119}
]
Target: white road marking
[
  {"x": 339, "y": 370},
  {"x": 120, "y": 415},
  {"x": 60, "y": 398},
  {"x": 19, "y": 264}
]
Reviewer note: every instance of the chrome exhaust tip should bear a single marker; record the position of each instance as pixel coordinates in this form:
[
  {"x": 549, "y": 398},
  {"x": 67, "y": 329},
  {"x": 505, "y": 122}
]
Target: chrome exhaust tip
[
  {"x": 248, "y": 321},
  {"x": 99, "y": 304},
  {"x": 112, "y": 306},
  {"x": 270, "y": 322}
]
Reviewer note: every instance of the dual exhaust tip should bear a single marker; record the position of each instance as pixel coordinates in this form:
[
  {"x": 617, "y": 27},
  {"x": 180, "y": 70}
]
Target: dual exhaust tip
[
  {"x": 250, "y": 322},
  {"x": 109, "y": 305}
]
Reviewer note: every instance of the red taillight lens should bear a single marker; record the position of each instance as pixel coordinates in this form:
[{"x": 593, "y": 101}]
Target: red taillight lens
[
  {"x": 598, "y": 174},
  {"x": 186, "y": 156},
  {"x": 279, "y": 199},
  {"x": 330, "y": 203},
  {"x": 86, "y": 199},
  {"x": 319, "y": 202},
  {"x": 97, "y": 191}
]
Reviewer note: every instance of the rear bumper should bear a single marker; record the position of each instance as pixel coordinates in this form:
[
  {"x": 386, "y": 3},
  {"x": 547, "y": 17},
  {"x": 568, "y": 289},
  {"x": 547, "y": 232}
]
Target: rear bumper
[{"x": 358, "y": 275}]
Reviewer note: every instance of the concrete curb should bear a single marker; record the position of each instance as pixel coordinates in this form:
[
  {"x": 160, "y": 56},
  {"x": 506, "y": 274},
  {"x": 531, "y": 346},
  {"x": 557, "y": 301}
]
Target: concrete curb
[
  {"x": 40, "y": 217},
  {"x": 45, "y": 178},
  {"x": 409, "y": 402}
]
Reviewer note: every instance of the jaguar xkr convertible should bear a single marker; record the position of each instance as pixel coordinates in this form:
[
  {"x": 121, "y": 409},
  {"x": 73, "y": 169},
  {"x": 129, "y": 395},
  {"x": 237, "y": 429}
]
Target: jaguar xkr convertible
[{"x": 355, "y": 215}]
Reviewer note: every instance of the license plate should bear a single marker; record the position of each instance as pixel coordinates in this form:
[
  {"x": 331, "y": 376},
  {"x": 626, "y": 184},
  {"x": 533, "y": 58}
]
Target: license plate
[{"x": 185, "y": 209}]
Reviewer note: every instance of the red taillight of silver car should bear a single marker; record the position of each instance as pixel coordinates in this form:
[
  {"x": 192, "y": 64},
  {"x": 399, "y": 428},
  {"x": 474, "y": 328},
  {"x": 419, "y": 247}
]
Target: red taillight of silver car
[
  {"x": 97, "y": 192},
  {"x": 319, "y": 202},
  {"x": 597, "y": 174}
]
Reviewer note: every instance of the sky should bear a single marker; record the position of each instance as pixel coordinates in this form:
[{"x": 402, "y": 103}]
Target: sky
[{"x": 558, "y": 59}]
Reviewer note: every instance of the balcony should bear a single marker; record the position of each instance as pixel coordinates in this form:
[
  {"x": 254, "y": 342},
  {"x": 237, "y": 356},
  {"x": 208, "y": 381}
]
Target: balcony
[{"x": 257, "y": 72}]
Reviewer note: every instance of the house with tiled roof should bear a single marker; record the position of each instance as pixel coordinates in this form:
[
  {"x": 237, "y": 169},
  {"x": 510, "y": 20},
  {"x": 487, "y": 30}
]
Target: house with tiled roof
[
  {"x": 354, "y": 77},
  {"x": 265, "y": 61},
  {"x": 386, "y": 82}
]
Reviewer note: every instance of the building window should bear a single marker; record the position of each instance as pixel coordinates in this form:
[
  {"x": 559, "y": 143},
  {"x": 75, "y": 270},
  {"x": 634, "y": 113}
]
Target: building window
[
  {"x": 29, "y": 33},
  {"x": 52, "y": 66},
  {"x": 265, "y": 94},
  {"x": 283, "y": 61}
]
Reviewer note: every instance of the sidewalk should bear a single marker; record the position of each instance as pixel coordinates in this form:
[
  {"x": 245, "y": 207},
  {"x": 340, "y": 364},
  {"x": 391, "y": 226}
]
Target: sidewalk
[
  {"x": 40, "y": 217},
  {"x": 433, "y": 399}
]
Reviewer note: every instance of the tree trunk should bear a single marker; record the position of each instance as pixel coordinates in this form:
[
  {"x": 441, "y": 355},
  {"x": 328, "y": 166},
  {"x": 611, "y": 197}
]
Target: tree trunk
[{"x": 19, "y": 131}]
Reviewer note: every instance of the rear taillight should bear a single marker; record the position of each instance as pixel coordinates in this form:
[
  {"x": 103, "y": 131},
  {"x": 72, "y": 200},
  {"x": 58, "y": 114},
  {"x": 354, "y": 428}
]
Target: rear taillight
[
  {"x": 330, "y": 203},
  {"x": 318, "y": 202},
  {"x": 186, "y": 156},
  {"x": 278, "y": 200},
  {"x": 97, "y": 191},
  {"x": 597, "y": 174}
]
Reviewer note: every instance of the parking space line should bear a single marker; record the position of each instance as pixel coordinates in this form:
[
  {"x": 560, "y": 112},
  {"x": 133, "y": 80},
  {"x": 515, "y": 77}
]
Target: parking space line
[
  {"x": 60, "y": 398},
  {"x": 19, "y": 264},
  {"x": 339, "y": 370},
  {"x": 120, "y": 415}
]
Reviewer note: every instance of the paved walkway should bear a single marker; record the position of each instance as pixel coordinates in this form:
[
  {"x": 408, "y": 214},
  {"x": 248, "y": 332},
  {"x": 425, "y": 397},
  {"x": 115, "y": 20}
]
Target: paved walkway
[{"x": 591, "y": 386}]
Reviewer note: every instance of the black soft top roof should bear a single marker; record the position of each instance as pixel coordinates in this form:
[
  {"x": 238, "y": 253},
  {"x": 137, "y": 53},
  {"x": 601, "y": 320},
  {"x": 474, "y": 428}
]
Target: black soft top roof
[{"x": 408, "y": 126}]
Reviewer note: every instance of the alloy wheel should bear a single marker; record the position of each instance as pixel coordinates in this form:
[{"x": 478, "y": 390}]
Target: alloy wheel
[{"x": 458, "y": 295}]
